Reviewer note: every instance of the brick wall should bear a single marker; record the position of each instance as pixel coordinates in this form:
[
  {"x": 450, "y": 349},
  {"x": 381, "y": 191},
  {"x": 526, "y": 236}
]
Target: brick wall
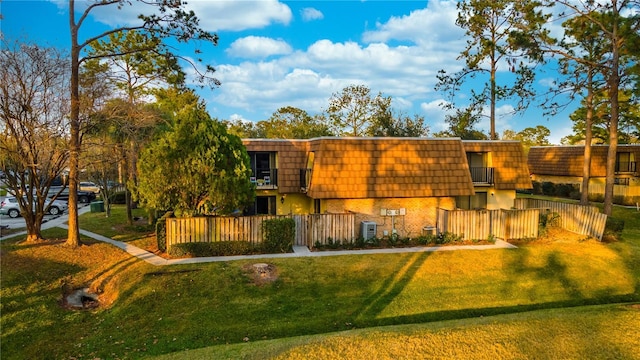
[{"x": 420, "y": 212}]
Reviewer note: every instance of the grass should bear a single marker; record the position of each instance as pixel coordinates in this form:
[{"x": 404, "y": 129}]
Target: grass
[
  {"x": 499, "y": 300},
  {"x": 594, "y": 332},
  {"x": 115, "y": 226}
]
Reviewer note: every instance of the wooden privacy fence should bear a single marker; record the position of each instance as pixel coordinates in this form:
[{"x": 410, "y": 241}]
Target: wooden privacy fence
[
  {"x": 310, "y": 229},
  {"x": 618, "y": 190},
  {"x": 483, "y": 224},
  {"x": 580, "y": 219}
]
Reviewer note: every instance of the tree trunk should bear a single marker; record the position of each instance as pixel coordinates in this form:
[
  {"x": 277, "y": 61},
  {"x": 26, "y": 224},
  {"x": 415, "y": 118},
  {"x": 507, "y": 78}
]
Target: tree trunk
[
  {"x": 131, "y": 175},
  {"x": 73, "y": 238},
  {"x": 586, "y": 166},
  {"x": 34, "y": 225},
  {"x": 492, "y": 110},
  {"x": 614, "y": 85}
]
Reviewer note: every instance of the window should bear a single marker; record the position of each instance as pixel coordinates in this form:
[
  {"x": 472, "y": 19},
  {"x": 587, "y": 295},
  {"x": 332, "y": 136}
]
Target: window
[
  {"x": 624, "y": 162},
  {"x": 477, "y": 201},
  {"x": 263, "y": 167},
  {"x": 263, "y": 205},
  {"x": 478, "y": 160},
  {"x": 479, "y": 168},
  {"x": 621, "y": 181},
  {"x": 316, "y": 206}
]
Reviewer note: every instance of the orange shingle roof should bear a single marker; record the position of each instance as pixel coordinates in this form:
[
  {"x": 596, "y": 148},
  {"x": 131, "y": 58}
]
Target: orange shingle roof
[
  {"x": 388, "y": 167},
  {"x": 568, "y": 160}
]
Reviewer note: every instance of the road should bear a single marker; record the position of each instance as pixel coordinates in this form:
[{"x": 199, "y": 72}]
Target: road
[{"x": 18, "y": 223}]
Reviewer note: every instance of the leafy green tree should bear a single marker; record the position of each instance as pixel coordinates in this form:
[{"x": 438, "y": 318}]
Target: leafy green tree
[
  {"x": 352, "y": 111},
  {"x": 461, "y": 125},
  {"x": 293, "y": 123},
  {"x": 629, "y": 120},
  {"x": 135, "y": 71},
  {"x": 533, "y": 136},
  {"x": 244, "y": 129},
  {"x": 387, "y": 123},
  {"x": 500, "y": 34},
  {"x": 33, "y": 110},
  {"x": 168, "y": 21},
  {"x": 194, "y": 166}
]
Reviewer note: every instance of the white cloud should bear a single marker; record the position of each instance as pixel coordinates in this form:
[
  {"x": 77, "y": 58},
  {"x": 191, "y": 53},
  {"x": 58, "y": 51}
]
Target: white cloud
[
  {"x": 548, "y": 82},
  {"x": 310, "y": 14},
  {"x": 258, "y": 47},
  {"x": 432, "y": 27},
  {"x": 213, "y": 15},
  {"x": 435, "y": 115}
]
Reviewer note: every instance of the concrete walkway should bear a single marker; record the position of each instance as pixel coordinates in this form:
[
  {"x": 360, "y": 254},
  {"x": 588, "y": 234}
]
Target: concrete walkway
[{"x": 298, "y": 251}]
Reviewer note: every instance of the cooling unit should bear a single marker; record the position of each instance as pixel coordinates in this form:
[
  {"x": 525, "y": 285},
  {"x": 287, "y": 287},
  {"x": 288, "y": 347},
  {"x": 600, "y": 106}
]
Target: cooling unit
[{"x": 368, "y": 230}]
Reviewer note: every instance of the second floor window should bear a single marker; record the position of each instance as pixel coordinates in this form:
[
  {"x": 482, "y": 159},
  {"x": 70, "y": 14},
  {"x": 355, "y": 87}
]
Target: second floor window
[
  {"x": 625, "y": 162},
  {"x": 263, "y": 168}
]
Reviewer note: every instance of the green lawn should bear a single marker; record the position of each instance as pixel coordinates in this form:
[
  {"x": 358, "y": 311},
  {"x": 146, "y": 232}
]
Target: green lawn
[{"x": 509, "y": 297}]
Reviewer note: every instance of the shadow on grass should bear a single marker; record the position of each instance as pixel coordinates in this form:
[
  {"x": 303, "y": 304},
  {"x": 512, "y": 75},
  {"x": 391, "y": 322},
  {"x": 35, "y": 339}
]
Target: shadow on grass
[{"x": 392, "y": 286}]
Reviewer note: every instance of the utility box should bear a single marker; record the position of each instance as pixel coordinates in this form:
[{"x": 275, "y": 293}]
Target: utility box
[
  {"x": 368, "y": 230},
  {"x": 97, "y": 206},
  {"x": 428, "y": 230}
]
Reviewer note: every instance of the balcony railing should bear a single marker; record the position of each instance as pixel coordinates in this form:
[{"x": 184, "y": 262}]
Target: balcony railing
[
  {"x": 265, "y": 178},
  {"x": 481, "y": 175},
  {"x": 305, "y": 179},
  {"x": 621, "y": 181},
  {"x": 626, "y": 167}
]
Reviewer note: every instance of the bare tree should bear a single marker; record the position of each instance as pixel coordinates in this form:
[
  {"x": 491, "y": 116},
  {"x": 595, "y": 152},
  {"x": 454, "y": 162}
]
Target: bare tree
[{"x": 33, "y": 141}]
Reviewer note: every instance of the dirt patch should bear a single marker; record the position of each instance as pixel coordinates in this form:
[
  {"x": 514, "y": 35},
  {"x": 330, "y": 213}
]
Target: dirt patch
[
  {"x": 80, "y": 299},
  {"x": 261, "y": 273},
  {"x": 555, "y": 235}
]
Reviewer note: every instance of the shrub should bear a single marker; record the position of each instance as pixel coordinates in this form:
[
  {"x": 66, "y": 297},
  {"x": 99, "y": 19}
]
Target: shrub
[
  {"x": 447, "y": 238},
  {"x": 221, "y": 248},
  {"x": 537, "y": 187},
  {"x": 161, "y": 231},
  {"x": 374, "y": 242},
  {"x": 545, "y": 220},
  {"x": 118, "y": 198},
  {"x": 279, "y": 235},
  {"x": 575, "y": 195},
  {"x": 548, "y": 188},
  {"x": 613, "y": 229}
]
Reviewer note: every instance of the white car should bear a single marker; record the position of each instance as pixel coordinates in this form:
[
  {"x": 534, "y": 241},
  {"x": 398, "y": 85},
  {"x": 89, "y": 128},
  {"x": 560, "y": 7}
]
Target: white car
[
  {"x": 9, "y": 206},
  {"x": 89, "y": 186}
]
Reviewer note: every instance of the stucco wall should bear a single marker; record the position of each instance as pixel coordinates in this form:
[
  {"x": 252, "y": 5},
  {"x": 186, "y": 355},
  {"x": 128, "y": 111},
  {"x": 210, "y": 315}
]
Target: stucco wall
[
  {"x": 501, "y": 199},
  {"x": 420, "y": 212},
  {"x": 296, "y": 204},
  {"x": 633, "y": 181}
]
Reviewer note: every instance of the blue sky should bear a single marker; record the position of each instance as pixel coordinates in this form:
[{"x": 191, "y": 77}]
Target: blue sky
[{"x": 298, "y": 53}]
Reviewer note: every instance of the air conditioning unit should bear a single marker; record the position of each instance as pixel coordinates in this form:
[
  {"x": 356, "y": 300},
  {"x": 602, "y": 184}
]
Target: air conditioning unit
[
  {"x": 428, "y": 230},
  {"x": 368, "y": 230}
]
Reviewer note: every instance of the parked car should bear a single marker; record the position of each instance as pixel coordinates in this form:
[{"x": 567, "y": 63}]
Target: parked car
[
  {"x": 83, "y": 196},
  {"x": 9, "y": 206},
  {"x": 90, "y": 186}
]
